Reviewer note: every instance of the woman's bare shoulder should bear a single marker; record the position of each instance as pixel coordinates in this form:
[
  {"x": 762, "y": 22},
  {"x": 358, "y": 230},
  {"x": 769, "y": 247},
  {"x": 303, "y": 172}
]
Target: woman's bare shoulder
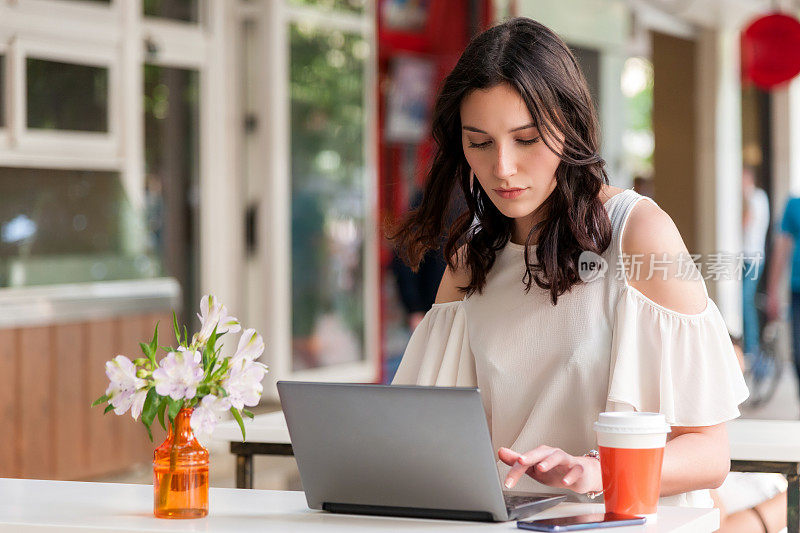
[
  {"x": 652, "y": 241},
  {"x": 453, "y": 279},
  {"x": 607, "y": 191}
]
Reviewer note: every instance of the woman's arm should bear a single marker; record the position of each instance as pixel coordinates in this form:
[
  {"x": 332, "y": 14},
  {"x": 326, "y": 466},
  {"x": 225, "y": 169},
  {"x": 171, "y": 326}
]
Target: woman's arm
[{"x": 695, "y": 457}]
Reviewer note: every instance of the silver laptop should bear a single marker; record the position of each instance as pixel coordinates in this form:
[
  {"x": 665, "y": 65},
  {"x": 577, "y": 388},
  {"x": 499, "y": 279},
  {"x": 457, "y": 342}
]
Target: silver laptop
[{"x": 399, "y": 450}]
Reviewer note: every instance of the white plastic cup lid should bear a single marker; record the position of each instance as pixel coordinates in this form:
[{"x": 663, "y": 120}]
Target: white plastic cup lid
[{"x": 632, "y": 423}]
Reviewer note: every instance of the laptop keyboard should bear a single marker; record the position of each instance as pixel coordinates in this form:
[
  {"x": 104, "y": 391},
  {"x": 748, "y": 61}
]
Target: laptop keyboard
[{"x": 516, "y": 500}]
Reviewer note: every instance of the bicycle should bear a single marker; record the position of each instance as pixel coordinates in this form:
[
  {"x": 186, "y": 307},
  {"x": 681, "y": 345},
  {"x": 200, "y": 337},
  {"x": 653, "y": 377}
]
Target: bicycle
[{"x": 763, "y": 371}]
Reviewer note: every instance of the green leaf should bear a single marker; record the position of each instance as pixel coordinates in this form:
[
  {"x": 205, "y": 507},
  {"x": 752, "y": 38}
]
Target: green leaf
[
  {"x": 145, "y": 349},
  {"x": 149, "y": 431},
  {"x": 176, "y": 328},
  {"x": 239, "y": 420},
  {"x": 174, "y": 407},
  {"x": 185, "y": 335},
  {"x": 208, "y": 349},
  {"x": 221, "y": 371},
  {"x": 248, "y": 414},
  {"x": 100, "y": 400},
  {"x": 150, "y": 408},
  {"x": 162, "y": 408},
  {"x": 209, "y": 368},
  {"x": 154, "y": 346},
  {"x": 109, "y": 407}
]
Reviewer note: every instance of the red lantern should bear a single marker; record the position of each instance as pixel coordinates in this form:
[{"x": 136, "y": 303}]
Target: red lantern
[{"x": 771, "y": 50}]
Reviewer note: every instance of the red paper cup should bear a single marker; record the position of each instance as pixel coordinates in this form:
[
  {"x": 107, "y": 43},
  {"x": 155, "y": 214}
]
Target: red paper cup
[{"x": 631, "y": 455}]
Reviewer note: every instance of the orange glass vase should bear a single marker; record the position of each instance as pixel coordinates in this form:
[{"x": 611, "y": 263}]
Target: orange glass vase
[{"x": 180, "y": 472}]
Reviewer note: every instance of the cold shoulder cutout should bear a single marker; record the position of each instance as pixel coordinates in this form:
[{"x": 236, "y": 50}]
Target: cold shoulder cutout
[{"x": 545, "y": 372}]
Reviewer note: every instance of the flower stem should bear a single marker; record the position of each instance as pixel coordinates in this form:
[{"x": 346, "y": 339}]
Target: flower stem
[{"x": 166, "y": 481}]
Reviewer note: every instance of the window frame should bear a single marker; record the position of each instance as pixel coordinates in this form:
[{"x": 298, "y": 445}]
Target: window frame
[
  {"x": 275, "y": 246},
  {"x": 115, "y": 35},
  {"x": 6, "y": 96},
  {"x": 98, "y": 146}
]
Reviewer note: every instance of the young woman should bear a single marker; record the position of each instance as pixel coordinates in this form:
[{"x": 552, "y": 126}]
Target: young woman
[{"x": 549, "y": 342}]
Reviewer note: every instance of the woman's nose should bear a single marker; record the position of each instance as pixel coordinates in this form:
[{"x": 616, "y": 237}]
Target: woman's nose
[{"x": 505, "y": 166}]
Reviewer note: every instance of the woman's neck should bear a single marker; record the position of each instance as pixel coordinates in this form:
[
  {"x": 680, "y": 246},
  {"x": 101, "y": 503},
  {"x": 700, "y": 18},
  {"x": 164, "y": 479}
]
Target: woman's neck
[{"x": 523, "y": 227}]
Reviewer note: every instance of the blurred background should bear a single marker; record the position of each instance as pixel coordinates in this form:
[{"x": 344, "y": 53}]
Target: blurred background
[{"x": 155, "y": 150}]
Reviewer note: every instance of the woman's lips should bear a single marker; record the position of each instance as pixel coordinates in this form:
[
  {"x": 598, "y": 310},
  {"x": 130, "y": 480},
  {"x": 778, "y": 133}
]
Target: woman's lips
[{"x": 509, "y": 194}]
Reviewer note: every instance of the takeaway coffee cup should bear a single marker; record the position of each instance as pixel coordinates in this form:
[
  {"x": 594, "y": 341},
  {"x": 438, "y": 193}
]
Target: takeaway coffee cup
[{"x": 631, "y": 455}]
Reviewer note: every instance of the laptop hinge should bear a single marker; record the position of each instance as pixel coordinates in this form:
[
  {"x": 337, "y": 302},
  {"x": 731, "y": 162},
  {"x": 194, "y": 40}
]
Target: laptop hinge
[{"x": 414, "y": 512}]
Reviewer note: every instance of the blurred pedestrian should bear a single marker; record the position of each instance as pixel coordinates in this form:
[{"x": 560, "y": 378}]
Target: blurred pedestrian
[
  {"x": 783, "y": 247},
  {"x": 755, "y": 223}
]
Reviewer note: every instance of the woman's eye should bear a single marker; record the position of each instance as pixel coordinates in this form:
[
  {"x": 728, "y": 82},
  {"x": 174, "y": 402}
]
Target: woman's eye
[
  {"x": 528, "y": 141},
  {"x": 479, "y": 145}
]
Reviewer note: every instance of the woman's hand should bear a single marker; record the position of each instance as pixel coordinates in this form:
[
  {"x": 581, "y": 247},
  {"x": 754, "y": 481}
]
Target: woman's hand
[{"x": 553, "y": 467}]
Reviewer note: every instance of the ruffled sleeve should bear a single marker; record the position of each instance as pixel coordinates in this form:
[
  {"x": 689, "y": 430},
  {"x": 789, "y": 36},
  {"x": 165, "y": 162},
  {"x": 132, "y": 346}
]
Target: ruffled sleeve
[
  {"x": 681, "y": 365},
  {"x": 438, "y": 352}
]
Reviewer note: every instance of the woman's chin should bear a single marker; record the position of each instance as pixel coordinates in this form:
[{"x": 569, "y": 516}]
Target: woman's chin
[{"x": 514, "y": 211}]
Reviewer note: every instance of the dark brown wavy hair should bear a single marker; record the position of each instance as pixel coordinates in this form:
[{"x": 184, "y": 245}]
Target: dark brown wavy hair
[{"x": 534, "y": 61}]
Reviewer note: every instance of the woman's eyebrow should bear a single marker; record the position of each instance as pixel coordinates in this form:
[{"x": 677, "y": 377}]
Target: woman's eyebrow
[{"x": 476, "y": 130}]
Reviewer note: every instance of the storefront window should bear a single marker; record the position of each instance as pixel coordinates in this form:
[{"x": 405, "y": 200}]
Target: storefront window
[
  {"x": 2, "y": 91},
  {"x": 352, "y": 6},
  {"x": 171, "y": 100},
  {"x": 327, "y": 195},
  {"x": 182, "y": 10},
  {"x": 69, "y": 226},
  {"x": 66, "y": 96}
]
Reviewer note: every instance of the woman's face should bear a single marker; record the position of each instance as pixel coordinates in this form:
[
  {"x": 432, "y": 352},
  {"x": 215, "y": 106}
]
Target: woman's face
[{"x": 506, "y": 152}]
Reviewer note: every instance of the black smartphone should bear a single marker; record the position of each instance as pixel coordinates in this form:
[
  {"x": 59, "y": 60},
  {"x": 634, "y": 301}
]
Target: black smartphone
[{"x": 585, "y": 521}]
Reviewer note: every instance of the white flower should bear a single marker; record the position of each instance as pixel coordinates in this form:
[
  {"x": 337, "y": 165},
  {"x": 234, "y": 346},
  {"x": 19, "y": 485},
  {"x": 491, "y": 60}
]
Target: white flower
[
  {"x": 250, "y": 348},
  {"x": 137, "y": 403},
  {"x": 213, "y": 314},
  {"x": 124, "y": 387},
  {"x": 178, "y": 374},
  {"x": 208, "y": 413},
  {"x": 243, "y": 383}
]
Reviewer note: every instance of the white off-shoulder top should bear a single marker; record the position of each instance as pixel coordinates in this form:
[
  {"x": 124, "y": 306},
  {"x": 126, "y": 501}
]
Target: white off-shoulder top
[{"x": 545, "y": 372}]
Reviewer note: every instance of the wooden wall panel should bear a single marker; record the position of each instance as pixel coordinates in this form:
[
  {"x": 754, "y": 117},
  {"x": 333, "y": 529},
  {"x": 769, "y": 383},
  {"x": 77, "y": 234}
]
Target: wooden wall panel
[
  {"x": 136, "y": 446},
  {"x": 70, "y": 411},
  {"x": 102, "y": 435},
  {"x": 51, "y": 376},
  {"x": 35, "y": 405},
  {"x": 9, "y": 393}
]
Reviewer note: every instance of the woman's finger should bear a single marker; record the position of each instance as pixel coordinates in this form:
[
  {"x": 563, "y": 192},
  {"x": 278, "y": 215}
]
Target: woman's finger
[
  {"x": 508, "y": 456},
  {"x": 558, "y": 457},
  {"x": 514, "y": 475},
  {"x": 574, "y": 474},
  {"x": 524, "y": 462}
]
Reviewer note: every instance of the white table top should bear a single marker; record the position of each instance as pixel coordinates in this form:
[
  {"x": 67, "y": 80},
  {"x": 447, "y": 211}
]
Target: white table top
[
  {"x": 47, "y": 506},
  {"x": 764, "y": 440},
  {"x": 270, "y": 428},
  {"x": 753, "y": 440}
]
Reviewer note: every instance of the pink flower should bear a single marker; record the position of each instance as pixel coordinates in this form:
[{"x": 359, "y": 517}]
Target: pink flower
[
  {"x": 213, "y": 314},
  {"x": 250, "y": 348},
  {"x": 178, "y": 374},
  {"x": 243, "y": 382},
  {"x": 208, "y": 413},
  {"x": 125, "y": 390}
]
